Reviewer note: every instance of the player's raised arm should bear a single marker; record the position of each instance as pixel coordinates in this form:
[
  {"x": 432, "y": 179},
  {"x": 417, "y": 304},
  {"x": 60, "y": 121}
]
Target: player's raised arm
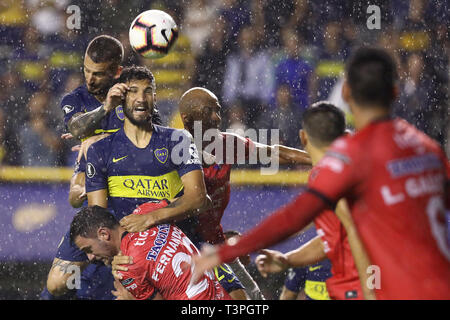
[
  {"x": 286, "y": 155},
  {"x": 77, "y": 191}
]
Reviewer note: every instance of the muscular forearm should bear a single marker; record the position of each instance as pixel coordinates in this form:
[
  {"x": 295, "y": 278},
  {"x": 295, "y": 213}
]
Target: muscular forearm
[
  {"x": 289, "y": 155},
  {"x": 84, "y": 125},
  {"x": 277, "y": 227},
  {"x": 308, "y": 254},
  {"x": 60, "y": 273},
  {"x": 180, "y": 209}
]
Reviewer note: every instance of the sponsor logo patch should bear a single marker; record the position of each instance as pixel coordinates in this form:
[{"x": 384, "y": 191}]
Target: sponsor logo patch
[{"x": 90, "y": 170}]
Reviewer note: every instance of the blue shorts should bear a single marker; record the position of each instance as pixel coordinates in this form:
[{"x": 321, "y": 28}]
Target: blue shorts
[{"x": 227, "y": 278}]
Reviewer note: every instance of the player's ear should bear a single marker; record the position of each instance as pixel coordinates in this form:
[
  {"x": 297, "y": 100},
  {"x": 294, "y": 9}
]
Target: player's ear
[
  {"x": 118, "y": 72},
  {"x": 303, "y": 137},
  {"x": 185, "y": 118},
  {"x": 345, "y": 92},
  {"x": 103, "y": 234},
  {"x": 395, "y": 92}
]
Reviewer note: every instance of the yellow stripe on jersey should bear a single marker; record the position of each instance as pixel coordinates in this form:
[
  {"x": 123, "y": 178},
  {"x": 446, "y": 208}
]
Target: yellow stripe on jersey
[
  {"x": 165, "y": 186},
  {"x": 99, "y": 131},
  {"x": 316, "y": 290}
]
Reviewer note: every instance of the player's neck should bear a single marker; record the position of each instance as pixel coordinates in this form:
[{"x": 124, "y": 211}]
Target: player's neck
[
  {"x": 366, "y": 115},
  {"x": 121, "y": 232},
  {"x": 100, "y": 97},
  {"x": 140, "y": 137},
  {"x": 316, "y": 154}
]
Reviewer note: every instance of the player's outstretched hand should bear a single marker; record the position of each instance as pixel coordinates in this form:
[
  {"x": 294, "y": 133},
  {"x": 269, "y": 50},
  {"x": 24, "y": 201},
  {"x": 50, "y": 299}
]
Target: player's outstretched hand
[
  {"x": 270, "y": 261},
  {"x": 121, "y": 293},
  {"x": 208, "y": 259},
  {"x": 119, "y": 264},
  {"x": 136, "y": 223},
  {"x": 66, "y": 136}
]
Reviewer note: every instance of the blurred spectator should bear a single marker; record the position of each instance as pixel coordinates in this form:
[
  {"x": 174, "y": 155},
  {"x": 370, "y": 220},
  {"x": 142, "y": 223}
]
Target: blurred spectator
[
  {"x": 65, "y": 58},
  {"x": 2, "y": 135},
  {"x": 198, "y": 23},
  {"x": 210, "y": 64},
  {"x": 31, "y": 59},
  {"x": 286, "y": 117},
  {"x": 236, "y": 14},
  {"x": 47, "y": 16},
  {"x": 331, "y": 61},
  {"x": 293, "y": 70},
  {"x": 414, "y": 100},
  {"x": 235, "y": 119},
  {"x": 39, "y": 137},
  {"x": 248, "y": 78},
  {"x": 13, "y": 98}
]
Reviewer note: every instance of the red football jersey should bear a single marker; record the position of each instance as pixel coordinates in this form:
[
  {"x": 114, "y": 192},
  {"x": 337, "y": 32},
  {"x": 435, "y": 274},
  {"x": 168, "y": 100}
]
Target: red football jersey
[
  {"x": 393, "y": 177},
  {"x": 159, "y": 257},
  {"x": 217, "y": 180},
  {"x": 344, "y": 282}
]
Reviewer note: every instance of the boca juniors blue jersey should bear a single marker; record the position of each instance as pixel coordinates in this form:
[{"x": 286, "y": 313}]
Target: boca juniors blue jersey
[
  {"x": 81, "y": 101},
  {"x": 135, "y": 175}
]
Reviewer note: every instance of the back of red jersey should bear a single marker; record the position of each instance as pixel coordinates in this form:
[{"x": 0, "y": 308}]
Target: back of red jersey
[
  {"x": 393, "y": 177},
  {"x": 160, "y": 257},
  {"x": 344, "y": 282}
]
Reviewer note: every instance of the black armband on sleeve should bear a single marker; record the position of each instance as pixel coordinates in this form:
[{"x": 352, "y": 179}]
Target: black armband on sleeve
[{"x": 330, "y": 203}]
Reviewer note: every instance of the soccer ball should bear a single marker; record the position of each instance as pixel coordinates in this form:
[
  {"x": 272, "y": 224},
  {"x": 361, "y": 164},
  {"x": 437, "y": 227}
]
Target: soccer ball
[{"x": 153, "y": 33}]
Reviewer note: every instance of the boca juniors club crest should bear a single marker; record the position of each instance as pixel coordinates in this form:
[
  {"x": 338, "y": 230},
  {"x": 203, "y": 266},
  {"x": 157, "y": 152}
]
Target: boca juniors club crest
[
  {"x": 162, "y": 155},
  {"x": 119, "y": 113}
]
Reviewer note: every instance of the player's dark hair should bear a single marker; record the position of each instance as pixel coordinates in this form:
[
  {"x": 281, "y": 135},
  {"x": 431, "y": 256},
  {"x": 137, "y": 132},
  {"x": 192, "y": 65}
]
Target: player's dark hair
[
  {"x": 105, "y": 48},
  {"x": 137, "y": 73},
  {"x": 231, "y": 233},
  {"x": 323, "y": 122},
  {"x": 87, "y": 221},
  {"x": 371, "y": 75}
]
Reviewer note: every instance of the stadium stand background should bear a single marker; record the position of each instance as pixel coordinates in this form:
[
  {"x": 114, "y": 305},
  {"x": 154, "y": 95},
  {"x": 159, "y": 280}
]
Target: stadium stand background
[{"x": 298, "y": 47}]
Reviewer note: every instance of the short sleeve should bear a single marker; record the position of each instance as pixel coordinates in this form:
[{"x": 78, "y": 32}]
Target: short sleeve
[
  {"x": 70, "y": 106},
  {"x": 184, "y": 153},
  {"x": 96, "y": 175},
  {"x": 295, "y": 279}
]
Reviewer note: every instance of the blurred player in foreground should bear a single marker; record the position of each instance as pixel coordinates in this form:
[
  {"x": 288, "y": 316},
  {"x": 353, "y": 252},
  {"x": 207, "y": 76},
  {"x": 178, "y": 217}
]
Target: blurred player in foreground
[
  {"x": 395, "y": 179},
  {"x": 158, "y": 255},
  {"x": 322, "y": 123}
]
